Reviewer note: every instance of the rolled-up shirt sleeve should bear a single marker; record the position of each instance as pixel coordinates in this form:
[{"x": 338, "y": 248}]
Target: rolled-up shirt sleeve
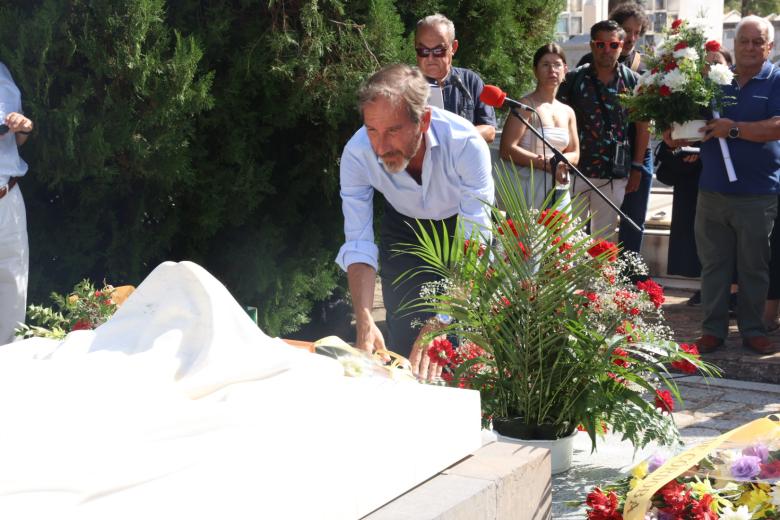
[
  {"x": 357, "y": 204},
  {"x": 476, "y": 186}
]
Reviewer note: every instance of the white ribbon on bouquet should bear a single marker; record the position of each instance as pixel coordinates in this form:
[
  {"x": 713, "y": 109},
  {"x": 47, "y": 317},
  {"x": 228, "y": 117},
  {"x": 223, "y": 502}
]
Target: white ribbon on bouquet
[{"x": 724, "y": 148}]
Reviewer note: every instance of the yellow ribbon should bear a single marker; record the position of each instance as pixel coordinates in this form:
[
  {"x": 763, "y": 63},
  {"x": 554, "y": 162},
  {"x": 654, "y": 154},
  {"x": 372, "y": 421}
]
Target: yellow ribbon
[{"x": 639, "y": 499}]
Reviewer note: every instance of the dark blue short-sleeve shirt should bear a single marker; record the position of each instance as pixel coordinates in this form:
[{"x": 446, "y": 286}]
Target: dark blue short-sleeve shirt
[
  {"x": 757, "y": 165},
  {"x": 464, "y": 101}
]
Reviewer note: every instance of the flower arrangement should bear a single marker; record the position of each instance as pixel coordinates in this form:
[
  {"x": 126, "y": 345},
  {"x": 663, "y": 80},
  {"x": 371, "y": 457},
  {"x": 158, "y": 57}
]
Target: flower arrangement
[
  {"x": 83, "y": 308},
  {"x": 551, "y": 329},
  {"x": 733, "y": 482},
  {"x": 679, "y": 85}
]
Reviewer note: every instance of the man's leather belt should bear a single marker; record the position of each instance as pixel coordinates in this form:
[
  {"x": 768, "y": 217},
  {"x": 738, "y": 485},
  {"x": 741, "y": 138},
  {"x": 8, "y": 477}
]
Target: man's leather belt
[{"x": 8, "y": 187}]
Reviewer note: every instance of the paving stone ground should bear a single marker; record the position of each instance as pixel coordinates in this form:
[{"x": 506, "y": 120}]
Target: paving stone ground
[{"x": 711, "y": 407}]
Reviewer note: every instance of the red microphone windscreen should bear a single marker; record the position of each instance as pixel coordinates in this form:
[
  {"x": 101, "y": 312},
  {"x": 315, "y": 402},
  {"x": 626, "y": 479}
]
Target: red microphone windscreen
[{"x": 492, "y": 96}]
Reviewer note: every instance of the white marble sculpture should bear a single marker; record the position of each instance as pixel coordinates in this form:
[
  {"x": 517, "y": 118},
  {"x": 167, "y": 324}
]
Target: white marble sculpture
[{"x": 180, "y": 407}]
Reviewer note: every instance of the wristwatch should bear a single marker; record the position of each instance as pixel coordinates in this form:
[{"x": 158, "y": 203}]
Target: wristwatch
[{"x": 733, "y": 132}]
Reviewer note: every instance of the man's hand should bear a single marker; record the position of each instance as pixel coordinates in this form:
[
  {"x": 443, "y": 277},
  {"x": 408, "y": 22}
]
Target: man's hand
[
  {"x": 369, "y": 338},
  {"x": 634, "y": 179},
  {"x": 717, "y": 128},
  {"x": 422, "y": 367},
  {"x": 18, "y": 123}
]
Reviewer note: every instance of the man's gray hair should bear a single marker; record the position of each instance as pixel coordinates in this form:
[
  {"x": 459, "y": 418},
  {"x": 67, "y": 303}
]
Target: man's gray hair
[
  {"x": 398, "y": 83},
  {"x": 762, "y": 22},
  {"x": 437, "y": 19}
]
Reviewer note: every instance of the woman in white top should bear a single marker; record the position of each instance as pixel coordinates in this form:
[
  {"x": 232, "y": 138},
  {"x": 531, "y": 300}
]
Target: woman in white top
[{"x": 554, "y": 120}]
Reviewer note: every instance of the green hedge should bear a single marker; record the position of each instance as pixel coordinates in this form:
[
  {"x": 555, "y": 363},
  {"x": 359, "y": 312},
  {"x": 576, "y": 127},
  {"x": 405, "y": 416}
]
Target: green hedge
[{"x": 211, "y": 131}]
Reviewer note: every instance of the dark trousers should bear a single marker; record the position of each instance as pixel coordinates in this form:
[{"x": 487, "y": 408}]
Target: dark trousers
[
  {"x": 734, "y": 230},
  {"x": 635, "y": 207},
  {"x": 396, "y": 231}
]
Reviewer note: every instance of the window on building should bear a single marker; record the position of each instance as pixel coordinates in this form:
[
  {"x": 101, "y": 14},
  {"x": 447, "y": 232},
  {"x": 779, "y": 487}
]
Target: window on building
[
  {"x": 575, "y": 5},
  {"x": 575, "y": 25},
  {"x": 729, "y": 34},
  {"x": 659, "y": 22},
  {"x": 659, "y": 5},
  {"x": 562, "y": 25}
]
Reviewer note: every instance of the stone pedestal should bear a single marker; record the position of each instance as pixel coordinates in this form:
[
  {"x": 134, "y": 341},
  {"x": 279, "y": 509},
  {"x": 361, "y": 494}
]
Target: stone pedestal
[{"x": 501, "y": 481}]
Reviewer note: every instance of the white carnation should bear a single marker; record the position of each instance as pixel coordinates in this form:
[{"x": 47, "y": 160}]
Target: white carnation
[
  {"x": 686, "y": 53},
  {"x": 721, "y": 74},
  {"x": 648, "y": 78},
  {"x": 675, "y": 80},
  {"x": 776, "y": 495},
  {"x": 742, "y": 513}
]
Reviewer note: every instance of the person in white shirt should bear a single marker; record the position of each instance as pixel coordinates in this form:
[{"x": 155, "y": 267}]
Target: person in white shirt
[
  {"x": 14, "y": 253},
  {"x": 428, "y": 164}
]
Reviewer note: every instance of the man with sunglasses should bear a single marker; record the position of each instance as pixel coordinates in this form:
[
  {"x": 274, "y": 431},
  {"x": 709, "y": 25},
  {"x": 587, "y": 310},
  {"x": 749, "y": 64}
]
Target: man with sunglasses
[
  {"x": 634, "y": 21},
  {"x": 435, "y": 45},
  {"x": 429, "y": 164},
  {"x": 15, "y": 128},
  {"x": 609, "y": 153}
]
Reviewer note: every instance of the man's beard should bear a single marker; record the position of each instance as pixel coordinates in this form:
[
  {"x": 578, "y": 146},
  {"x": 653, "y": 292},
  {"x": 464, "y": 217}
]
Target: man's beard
[{"x": 406, "y": 159}]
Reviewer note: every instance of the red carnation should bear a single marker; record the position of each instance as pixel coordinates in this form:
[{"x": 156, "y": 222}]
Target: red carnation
[
  {"x": 511, "y": 226},
  {"x": 664, "y": 400},
  {"x": 684, "y": 365},
  {"x": 620, "y": 358},
  {"x": 677, "y": 23},
  {"x": 712, "y": 46},
  {"x": 770, "y": 470},
  {"x": 81, "y": 325},
  {"x": 553, "y": 219},
  {"x": 680, "y": 45},
  {"x": 675, "y": 497},
  {"x": 441, "y": 351},
  {"x": 670, "y": 66},
  {"x": 665, "y": 91},
  {"x": 604, "y": 247},
  {"x": 702, "y": 509},
  {"x": 603, "y": 507},
  {"x": 653, "y": 290}
]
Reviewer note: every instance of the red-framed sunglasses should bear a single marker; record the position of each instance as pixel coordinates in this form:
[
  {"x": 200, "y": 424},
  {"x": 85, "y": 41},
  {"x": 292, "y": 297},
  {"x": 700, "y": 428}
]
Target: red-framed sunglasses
[
  {"x": 438, "y": 52},
  {"x": 602, "y": 44}
]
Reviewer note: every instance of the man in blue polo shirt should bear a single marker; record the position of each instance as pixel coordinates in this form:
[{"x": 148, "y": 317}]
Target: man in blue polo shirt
[
  {"x": 429, "y": 164},
  {"x": 734, "y": 219},
  {"x": 435, "y": 45}
]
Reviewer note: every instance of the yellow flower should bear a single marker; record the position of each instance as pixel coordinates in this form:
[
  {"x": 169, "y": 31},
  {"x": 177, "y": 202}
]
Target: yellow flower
[
  {"x": 73, "y": 298},
  {"x": 640, "y": 471},
  {"x": 704, "y": 487},
  {"x": 757, "y": 500},
  {"x": 634, "y": 482}
]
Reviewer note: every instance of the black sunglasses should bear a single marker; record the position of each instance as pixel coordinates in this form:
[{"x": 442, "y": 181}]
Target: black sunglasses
[
  {"x": 612, "y": 45},
  {"x": 438, "y": 52}
]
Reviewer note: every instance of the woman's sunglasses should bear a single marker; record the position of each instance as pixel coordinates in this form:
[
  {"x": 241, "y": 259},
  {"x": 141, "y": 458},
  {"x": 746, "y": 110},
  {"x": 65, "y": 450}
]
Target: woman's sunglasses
[
  {"x": 438, "y": 52},
  {"x": 612, "y": 45}
]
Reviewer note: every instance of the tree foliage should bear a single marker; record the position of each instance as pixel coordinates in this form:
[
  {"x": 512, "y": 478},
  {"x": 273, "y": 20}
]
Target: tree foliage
[
  {"x": 757, "y": 7},
  {"x": 211, "y": 131}
]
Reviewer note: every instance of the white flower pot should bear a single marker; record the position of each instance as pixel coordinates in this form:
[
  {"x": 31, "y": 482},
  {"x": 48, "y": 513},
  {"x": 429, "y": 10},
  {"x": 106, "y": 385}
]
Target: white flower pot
[
  {"x": 560, "y": 449},
  {"x": 688, "y": 130}
]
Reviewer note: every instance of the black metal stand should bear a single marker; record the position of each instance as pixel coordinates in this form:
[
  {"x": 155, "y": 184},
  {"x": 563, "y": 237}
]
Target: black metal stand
[{"x": 559, "y": 157}]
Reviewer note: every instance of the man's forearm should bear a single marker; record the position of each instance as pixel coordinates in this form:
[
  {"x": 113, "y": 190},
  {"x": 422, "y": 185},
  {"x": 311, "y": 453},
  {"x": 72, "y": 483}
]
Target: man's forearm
[
  {"x": 760, "y": 131},
  {"x": 487, "y": 132},
  {"x": 641, "y": 142},
  {"x": 362, "y": 280}
]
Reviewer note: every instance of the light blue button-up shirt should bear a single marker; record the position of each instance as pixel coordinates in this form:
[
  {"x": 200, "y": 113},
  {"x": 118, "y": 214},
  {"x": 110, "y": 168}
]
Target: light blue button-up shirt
[
  {"x": 11, "y": 165},
  {"x": 456, "y": 179}
]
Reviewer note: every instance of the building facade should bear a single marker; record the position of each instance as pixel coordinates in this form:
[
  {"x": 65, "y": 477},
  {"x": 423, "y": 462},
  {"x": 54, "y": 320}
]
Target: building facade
[{"x": 573, "y": 26}]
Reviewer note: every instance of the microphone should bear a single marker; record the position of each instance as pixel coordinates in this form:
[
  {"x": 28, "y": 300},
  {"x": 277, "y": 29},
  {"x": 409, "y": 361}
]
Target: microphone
[
  {"x": 459, "y": 84},
  {"x": 495, "y": 97}
]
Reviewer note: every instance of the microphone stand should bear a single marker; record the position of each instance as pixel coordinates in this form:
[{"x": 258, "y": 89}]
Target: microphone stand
[{"x": 559, "y": 157}]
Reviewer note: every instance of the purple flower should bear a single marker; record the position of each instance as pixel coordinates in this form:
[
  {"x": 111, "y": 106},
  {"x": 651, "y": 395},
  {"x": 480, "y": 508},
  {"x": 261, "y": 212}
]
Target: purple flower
[
  {"x": 757, "y": 450},
  {"x": 746, "y": 467},
  {"x": 655, "y": 462}
]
